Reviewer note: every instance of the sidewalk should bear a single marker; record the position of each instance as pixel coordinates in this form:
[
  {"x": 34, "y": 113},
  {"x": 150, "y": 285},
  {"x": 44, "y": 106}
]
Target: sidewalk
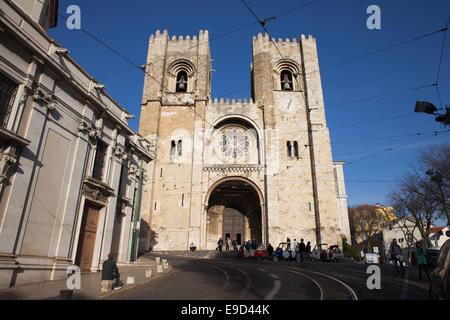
[{"x": 90, "y": 284}]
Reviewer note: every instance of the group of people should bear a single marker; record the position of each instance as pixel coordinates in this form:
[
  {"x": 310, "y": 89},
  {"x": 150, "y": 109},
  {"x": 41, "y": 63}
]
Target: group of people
[
  {"x": 228, "y": 244},
  {"x": 395, "y": 253},
  {"x": 302, "y": 249}
]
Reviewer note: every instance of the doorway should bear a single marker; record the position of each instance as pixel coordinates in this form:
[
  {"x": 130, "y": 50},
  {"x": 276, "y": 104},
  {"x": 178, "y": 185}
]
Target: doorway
[{"x": 88, "y": 232}]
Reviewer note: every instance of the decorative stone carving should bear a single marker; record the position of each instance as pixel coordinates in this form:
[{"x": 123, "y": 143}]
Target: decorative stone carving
[
  {"x": 46, "y": 99},
  {"x": 8, "y": 159},
  {"x": 96, "y": 190}
]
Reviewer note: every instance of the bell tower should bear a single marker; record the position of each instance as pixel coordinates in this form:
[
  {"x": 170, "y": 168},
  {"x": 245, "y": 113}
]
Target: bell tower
[
  {"x": 286, "y": 84},
  {"x": 178, "y": 74},
  {"x": 177, "y": 87}
]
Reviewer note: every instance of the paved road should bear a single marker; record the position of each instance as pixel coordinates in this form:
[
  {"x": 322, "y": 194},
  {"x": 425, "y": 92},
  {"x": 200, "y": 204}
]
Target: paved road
[{"x": 230, "y": 279}]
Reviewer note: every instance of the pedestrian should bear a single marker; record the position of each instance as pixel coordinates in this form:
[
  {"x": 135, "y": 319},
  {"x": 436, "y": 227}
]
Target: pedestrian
[
  {"x": 395, "y": 253},
  {"x": 308, "y": 250},
  {"x": 110, "y": 275},
  {"x": 234, "y": 244},
  {"x": 270, "y": 250},
  {"x": 227, "y": 244},
  {"x": 302, "y": 250},
  {"x": 193, "y": 247},
  {"x": 295, "y": 244},
  {"x": 253, "y": 247},
  {"x": 419, "y": 252},
  {"x": 248, "y": 247},
  {"x": 288, "y": 241},
  {"x": 220, "y": 244}
]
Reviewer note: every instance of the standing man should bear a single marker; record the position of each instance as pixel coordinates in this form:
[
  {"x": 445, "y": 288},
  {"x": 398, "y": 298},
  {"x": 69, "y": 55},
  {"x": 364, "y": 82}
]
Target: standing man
[
  {"x": 220, "y": 244},
  {"x": 308, "y": 250},
  {"x": 110, "y": 275},
  {"x": 227, "y": 244},
  {"x": 302, "y": 250},
  {"x": 234, "y": 244},
  {"x": 288, "y": 241},
  {"x": 419, "y": 252},
  {"x": 395, "y": 253}
]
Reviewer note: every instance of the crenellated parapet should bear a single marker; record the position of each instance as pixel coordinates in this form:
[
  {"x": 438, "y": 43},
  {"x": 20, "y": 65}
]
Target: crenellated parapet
[{"x": 232, "y": 102}]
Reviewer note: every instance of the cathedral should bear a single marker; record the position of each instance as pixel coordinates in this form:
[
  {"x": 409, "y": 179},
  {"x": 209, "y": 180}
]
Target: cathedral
[{"x": 257, "y": 169}]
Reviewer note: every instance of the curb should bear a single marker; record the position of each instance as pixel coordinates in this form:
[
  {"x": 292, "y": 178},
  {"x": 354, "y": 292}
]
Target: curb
[{"x": 124, "y": 289}]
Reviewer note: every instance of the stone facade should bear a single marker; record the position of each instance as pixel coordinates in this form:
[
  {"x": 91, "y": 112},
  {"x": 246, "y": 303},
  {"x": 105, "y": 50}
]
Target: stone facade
[
  {"x": 66, "y": 152},
  {"x": 268, "y": 158}
]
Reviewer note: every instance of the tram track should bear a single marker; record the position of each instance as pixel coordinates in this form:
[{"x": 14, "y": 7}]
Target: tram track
[{"x": 352, "y": 293}]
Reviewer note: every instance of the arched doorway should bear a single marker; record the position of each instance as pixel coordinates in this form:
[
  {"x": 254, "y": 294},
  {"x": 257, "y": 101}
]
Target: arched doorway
[{"x": 234, "y": 210}]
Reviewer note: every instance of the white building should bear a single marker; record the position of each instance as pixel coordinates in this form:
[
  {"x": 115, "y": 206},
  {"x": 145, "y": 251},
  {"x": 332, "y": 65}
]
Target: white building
[{"x": 69, "y": 162}]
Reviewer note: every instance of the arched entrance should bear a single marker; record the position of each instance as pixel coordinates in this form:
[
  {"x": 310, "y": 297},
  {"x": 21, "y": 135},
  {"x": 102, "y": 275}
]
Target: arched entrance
[{"x": 234, "y": 210}]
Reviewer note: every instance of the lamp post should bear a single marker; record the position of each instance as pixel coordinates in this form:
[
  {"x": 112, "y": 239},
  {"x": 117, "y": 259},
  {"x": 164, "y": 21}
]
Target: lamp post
[{"x": 437, "y": 177}]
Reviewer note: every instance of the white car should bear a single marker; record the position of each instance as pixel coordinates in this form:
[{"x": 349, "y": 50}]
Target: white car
[{"x": 372, "y": 258}]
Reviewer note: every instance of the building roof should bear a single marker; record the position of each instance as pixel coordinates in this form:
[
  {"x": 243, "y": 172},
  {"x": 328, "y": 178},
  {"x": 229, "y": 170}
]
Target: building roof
[{"x": 436, "y": 229}]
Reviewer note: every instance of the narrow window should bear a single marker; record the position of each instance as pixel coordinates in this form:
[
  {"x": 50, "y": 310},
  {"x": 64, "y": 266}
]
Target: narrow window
[
  {"x": 8, "y": 91},
  {"x": 180, "y": 147},
  {"x": 99, "y": 163},
  {"x": 181, "y": 81},
  {"x": 173, "y": 149},
  {"x": 295, "y": 151},
  {"x": 182, "y": 200},
  {"x": 289, "y": 149},
  {"x": 161, "y": 174},
  {"x": 286, "y": 80}
]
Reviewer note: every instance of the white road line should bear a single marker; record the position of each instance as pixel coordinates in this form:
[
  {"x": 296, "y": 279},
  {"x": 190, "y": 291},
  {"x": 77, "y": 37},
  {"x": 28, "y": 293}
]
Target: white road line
[
  {"x": 274, "y": 291},
  {"x": 261, "y": 269},
  {"x": 274, "y": 276}
]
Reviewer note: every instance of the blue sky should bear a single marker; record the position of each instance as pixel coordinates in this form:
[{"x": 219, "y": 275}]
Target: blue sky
[{"x": 341, "y": 33}]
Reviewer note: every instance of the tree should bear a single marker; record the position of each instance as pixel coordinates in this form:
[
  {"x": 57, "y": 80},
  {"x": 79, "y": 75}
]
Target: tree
[
  {"x": 365, "y": 222},
  {"x": 417, "y": 197}
]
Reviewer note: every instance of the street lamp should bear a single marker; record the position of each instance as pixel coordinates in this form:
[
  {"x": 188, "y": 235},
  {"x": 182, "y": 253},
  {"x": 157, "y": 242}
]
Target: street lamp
[
  {"x": 437, "y": 177},
  {"x": 429, "y": 108}
]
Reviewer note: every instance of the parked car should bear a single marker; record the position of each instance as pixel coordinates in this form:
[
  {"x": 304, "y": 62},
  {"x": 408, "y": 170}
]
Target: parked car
[
  {"x": 440, "y": 276},
  {"x": 284, "y": 252},
  {"x": 259, "y": 253},
  {"x": 372, "y": 258},
  {"x": 323, "y": 252}
]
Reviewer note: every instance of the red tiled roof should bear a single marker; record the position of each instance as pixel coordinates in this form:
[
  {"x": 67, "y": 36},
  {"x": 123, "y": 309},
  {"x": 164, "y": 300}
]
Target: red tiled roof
[{"x": 436, "y": 229}]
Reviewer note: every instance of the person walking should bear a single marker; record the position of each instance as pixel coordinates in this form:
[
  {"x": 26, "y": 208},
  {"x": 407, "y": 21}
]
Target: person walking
[
  {"x": 419, "y": 253},
  {"x": 288, "y": 241},
  {"x": 227, "y": 244},
  {"x": 395, "y": 253},
  {"x": 302, "y": 250},
  {"x": 308, "y": 250},
  {"x": 248, "y": 246},
  {"x": 110, "y": 275},
  {"x": 270, "y": 250},
  {"x": 220, "y": 244},
  {"x": 234, "y": 244}
]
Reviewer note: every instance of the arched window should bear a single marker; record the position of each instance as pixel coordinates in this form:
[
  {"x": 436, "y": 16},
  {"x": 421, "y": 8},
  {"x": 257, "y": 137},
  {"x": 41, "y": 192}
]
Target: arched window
[
  {"x": 181, "y": 82},
  {"x": 286, "y": 80}
]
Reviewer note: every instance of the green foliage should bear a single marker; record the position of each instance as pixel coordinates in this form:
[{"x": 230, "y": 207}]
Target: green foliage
[{"x": 349, "y": 251}]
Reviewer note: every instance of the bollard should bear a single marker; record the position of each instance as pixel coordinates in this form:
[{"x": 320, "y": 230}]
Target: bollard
[
  {"x": 131, "y": 280},
  {"x": 158, "y": 260},
  {"x": 166, "y": 266},
  {"x": 159, "y": 268},
  {"x": 148, "y": 273},
  {"x": 164, "y": 261}
]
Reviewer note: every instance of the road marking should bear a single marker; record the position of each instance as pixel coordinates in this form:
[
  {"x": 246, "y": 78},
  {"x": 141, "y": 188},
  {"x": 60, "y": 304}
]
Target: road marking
[
  {"x": 261, "y": 269},
  {"x": 274, "y": 291},
  {"x": 274, "y": 276},
  {"x": 227, "y": 281}
]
